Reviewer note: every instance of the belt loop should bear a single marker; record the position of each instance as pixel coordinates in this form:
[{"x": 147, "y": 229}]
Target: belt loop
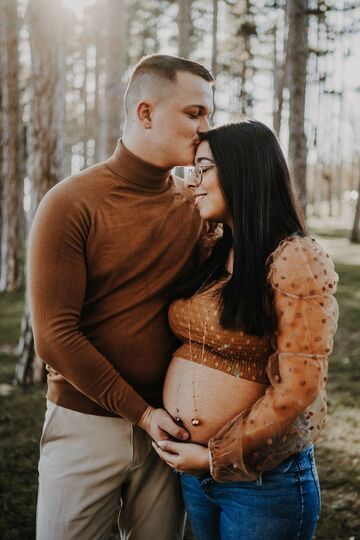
[{"x": 259, "y": 480}]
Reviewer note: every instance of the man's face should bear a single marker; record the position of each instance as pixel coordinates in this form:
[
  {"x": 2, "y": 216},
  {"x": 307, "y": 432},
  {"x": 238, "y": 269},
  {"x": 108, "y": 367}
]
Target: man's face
[{"x": 178, "y": 119}]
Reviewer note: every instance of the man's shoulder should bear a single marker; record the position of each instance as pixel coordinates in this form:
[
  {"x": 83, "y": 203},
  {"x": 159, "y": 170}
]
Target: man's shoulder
[
  {"x": 83, "y": 190},
  {"x": 91, "y": 183}
]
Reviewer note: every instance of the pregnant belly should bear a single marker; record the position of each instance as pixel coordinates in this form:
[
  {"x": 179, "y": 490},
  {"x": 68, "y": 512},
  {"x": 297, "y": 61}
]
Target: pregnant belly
[{"x": 218, "y": 397}]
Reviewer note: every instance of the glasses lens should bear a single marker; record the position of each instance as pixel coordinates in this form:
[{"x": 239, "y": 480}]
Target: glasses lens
[{"x": 198, "y": 174}]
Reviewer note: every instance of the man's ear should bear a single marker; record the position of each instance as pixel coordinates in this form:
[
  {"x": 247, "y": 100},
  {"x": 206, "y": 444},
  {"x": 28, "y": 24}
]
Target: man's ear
[{"x": 143, "y": 111}]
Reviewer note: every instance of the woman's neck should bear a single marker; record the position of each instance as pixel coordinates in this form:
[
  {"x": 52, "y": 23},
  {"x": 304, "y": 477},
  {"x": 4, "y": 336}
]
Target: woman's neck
[{"x": 230, "y": 261}]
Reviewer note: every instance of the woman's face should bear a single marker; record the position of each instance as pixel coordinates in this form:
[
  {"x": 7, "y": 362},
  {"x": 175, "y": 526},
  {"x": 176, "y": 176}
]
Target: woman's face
[{"x": 205, "y": 182}]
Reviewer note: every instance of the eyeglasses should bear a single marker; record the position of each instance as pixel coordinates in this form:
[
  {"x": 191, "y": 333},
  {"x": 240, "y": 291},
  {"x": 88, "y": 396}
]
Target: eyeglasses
[{"x": 195, "y": 175}]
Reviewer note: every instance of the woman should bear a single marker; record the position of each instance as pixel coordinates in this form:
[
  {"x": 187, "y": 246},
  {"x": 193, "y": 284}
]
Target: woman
[{"x": 257, "y": 321}]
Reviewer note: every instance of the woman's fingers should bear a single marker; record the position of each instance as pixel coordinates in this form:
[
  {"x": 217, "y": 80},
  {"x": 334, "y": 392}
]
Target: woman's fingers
[
  {"x": 170, "y": 446},
  {"x": 166, "y": 456}
]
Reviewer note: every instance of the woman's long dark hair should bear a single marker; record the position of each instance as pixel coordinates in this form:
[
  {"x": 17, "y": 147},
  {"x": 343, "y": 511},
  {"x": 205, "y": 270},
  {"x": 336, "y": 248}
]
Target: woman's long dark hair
[{"x": 256, "y": 184}]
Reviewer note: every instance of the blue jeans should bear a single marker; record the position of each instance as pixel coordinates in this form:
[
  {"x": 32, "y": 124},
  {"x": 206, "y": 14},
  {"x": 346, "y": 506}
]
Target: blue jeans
[{"x": 284, "y": 504}]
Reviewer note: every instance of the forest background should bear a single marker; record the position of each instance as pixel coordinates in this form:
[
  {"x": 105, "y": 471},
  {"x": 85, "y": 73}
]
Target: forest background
[{"x": 294, "y": 65}]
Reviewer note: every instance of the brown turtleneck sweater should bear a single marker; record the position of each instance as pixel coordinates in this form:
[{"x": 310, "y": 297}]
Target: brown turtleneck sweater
[{"x": 105, "y": 247}]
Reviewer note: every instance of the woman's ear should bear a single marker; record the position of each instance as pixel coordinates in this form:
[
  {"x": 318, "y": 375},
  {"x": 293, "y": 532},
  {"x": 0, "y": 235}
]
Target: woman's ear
[{"x": 143, "y": 111}]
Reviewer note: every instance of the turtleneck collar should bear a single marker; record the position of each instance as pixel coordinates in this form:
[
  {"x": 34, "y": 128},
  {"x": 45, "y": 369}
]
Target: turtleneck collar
[{"x": 141, "y": 175}]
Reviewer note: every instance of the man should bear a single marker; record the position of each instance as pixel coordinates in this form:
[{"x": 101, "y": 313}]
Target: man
[{"x": 105, "y": 248}]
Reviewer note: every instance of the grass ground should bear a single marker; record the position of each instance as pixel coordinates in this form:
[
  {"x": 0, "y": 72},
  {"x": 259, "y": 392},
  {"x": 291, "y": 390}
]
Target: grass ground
[{"x": 22, "y": 410}]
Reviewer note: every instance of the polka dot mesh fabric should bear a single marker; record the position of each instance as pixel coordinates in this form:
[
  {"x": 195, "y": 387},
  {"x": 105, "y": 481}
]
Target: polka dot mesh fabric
[{"x": 292, "y": 411}]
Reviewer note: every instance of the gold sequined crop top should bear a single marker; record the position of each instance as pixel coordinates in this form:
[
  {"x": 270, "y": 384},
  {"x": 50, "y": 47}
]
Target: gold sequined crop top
[{"x": 196, "y": 322}]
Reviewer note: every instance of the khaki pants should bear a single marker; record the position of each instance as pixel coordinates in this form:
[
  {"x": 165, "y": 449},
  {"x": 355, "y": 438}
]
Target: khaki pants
[{"x": 92, "y": 467}]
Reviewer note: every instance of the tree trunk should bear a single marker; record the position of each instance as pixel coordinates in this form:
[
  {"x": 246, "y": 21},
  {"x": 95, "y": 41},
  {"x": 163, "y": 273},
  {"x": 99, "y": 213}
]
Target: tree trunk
[
  {"x": 96, "y": 116},
  {"x": 214, "y": 48},
  {"x": 280, "y": 72},
  {"x": 11, "y": 273},
  {"x": 355, "y": 231},
  {"x": 2, "y": 81},
  {"x": 46, "y": 140},
  {"x": 321, "y": 78},
  {"x": 246, "y": 71},
  {"x": 86, "y": 112},
  {"x": 184, "y": 24},
  {"x": 297, "y": 55},
  {"x": 115, "y": 69}
]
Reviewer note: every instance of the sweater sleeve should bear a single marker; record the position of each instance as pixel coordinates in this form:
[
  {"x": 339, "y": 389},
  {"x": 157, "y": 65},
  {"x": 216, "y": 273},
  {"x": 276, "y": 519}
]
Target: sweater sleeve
[
  {"x": 57, "y": 284},
  {"x": 290, "y": 415}
]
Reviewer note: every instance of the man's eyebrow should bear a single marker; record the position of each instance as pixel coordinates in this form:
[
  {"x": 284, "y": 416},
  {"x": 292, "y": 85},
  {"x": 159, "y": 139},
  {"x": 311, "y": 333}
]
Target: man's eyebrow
[{"x": 201, "y": 107}]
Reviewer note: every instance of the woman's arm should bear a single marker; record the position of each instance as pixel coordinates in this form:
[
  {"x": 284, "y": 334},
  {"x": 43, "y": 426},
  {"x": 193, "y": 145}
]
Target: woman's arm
[{"x": 289, "y": 416}]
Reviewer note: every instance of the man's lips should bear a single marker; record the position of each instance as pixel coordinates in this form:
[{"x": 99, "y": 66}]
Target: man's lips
[{"x": 199, "y": 195}]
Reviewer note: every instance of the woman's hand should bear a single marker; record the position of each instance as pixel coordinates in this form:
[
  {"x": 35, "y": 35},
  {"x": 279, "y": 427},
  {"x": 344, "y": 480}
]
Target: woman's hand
[{"x": 184, "y": 457}]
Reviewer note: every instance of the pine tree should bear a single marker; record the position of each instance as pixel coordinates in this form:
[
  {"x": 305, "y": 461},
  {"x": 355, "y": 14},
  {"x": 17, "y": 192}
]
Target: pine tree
[
  {"x": 297, "y": 62},
  {"x": 11, "y": 273}
]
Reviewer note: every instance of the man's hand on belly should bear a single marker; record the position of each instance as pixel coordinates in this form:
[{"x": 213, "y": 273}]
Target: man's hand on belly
[
  {"x": 53, "y": 375},
  {"x": 160, "y": 426}
]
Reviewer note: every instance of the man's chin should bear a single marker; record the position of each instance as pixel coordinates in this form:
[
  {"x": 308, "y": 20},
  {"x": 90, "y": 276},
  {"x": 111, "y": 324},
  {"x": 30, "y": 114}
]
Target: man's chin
[{"x": 188, "y": 161}]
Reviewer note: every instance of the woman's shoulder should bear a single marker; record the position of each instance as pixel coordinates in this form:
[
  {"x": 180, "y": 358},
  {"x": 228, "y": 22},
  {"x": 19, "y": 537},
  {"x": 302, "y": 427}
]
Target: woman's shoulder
[{"x": 300, "y": 265}]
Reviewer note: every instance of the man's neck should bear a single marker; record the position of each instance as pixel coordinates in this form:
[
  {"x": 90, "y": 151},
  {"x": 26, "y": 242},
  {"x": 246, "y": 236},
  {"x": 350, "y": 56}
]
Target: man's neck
[{"x": 142, "y": 149}]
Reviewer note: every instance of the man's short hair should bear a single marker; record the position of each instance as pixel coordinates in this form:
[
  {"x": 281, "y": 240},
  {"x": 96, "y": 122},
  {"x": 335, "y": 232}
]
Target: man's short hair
[{"x": 156, "y": 71}]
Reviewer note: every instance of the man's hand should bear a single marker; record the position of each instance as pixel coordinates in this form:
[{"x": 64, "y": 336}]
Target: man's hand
[
  {"x": 160, "y": 426},
  {"x": 53, "y": 374},
  {"x": 184, "y": 457}
]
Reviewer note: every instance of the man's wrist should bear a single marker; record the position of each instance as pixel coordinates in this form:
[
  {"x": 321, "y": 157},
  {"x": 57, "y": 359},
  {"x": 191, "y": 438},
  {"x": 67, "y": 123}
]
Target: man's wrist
[{"x": 145, "y": 420}]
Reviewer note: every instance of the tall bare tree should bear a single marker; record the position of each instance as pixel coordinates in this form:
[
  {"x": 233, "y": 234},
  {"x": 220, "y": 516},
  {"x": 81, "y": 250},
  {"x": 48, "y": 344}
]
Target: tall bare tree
[
  {"x": 2, "y": 82},
  {"x": 239, "y": 60},
  {"x": 355, "y": 231},
  {"x": 280, "y": 62},
  {"x": 246, "y": 31},
  {"x": 46, "y": 138},
  {"x": 214, "y": 46},
  {"x": 11, "y": 274},
  {"x": 115, "y": 70},
  {"x": 184, "y": 24},
  {"x": 297, "y": 62}
]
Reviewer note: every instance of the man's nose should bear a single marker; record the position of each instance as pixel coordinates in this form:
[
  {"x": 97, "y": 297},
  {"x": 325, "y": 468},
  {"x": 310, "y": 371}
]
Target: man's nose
[
  {"x": 190, "y": 179},
  {"x": 204, "y": 124}
]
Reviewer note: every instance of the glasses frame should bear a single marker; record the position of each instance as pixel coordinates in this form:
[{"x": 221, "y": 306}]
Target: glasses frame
[{"x": 196, "y": 174}]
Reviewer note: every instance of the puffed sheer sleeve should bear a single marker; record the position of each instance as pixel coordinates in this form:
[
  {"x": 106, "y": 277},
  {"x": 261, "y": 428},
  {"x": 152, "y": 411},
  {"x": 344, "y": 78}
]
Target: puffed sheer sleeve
[{"x": 291, "y": 413}]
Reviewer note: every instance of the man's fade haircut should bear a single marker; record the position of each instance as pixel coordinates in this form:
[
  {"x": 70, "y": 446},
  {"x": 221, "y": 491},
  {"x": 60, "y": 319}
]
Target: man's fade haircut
[{"x": 157, "y": 70}]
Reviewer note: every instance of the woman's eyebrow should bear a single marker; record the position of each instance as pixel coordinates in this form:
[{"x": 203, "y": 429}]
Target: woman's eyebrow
[{"x": 204, "y": 158}]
